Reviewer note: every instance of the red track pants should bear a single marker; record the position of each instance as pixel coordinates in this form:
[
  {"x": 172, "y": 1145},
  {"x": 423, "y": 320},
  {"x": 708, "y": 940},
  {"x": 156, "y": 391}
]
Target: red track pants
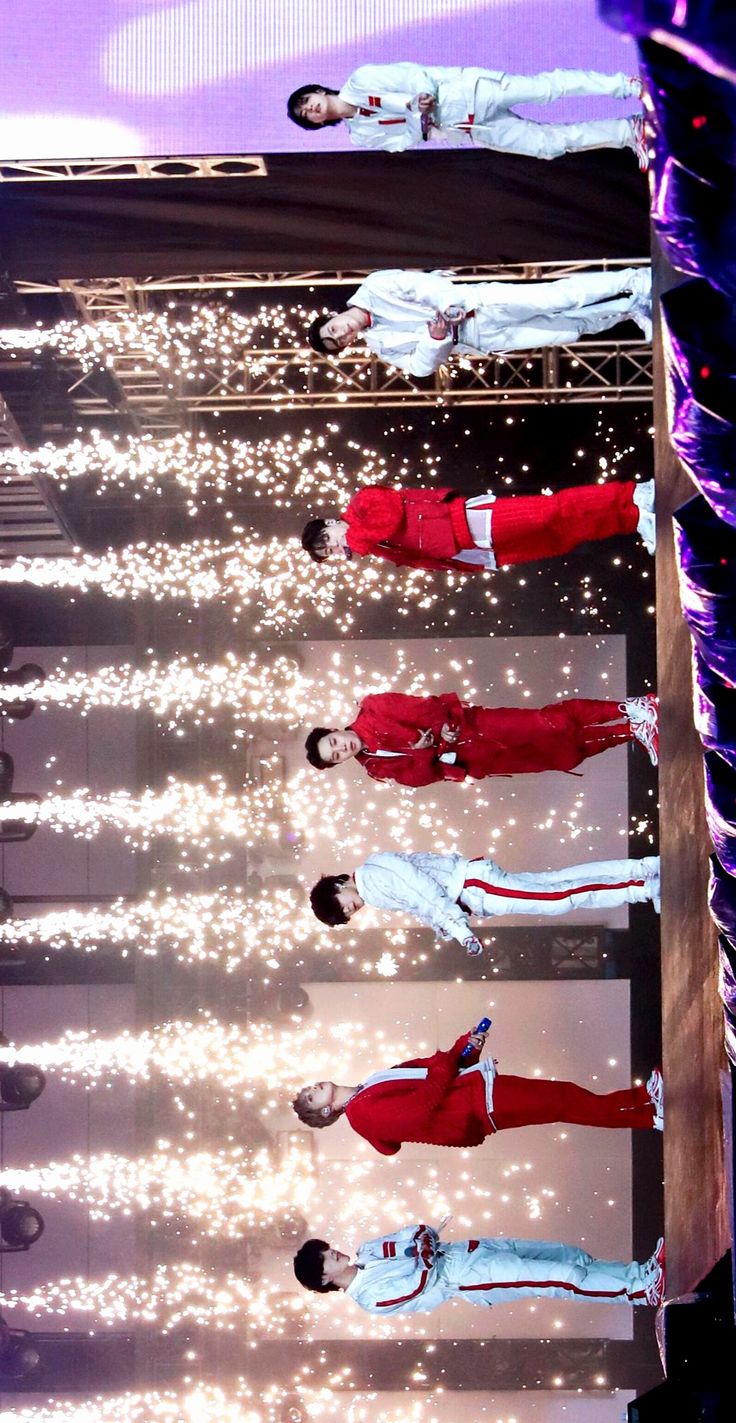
[
  {"x": 531, "y": 1101},
  {"x": 528, "y": 527}
]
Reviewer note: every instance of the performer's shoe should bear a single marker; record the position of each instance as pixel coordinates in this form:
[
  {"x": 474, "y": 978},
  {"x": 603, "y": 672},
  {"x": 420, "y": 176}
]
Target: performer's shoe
[
  {"x": 655, "y": 1093},
  {"x": 634, "y": 88},
  {"x": 640, "y": 286},
  {"x": 655, "y": 1275},
  {"x": 640, "y": 142},
  {"x": 642, "y": 315},
  {"x": 647, "y": 526},
  {"x": 642, "y": 714}
]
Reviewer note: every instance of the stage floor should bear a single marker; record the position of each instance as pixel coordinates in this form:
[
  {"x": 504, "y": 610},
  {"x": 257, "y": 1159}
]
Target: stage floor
[{"x": 696, "y": 1213}]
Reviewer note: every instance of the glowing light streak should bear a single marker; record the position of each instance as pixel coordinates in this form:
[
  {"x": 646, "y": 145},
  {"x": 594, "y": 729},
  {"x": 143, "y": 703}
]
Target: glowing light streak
[
  {"x": 228, "y": 930},
  {"x": 229, "y": 1193},
  {"x": 174, "y": 1295},
  {"x": 255, "y": 689},
  {"x": 331, "y": 1399},
  {"x": 270, "y": 581},
  {"x": 241, "y": 1060},
  {"x": 283, "y": 471}
]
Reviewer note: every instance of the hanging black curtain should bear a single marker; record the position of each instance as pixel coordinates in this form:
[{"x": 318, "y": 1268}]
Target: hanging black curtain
[{"x": 331, "y": 211}]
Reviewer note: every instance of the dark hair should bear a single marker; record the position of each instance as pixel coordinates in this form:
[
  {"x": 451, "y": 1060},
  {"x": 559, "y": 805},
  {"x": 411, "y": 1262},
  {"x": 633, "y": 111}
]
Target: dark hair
[
  {"x": 311, "y": 746},
  {"x": 309, "y": 1264},
  {"x": 323, "y": 901},
  {"x": 314, "y": 334},
  {"x": 294, "y": 102},
  {"x": 312, "y": 537},
  {"x": 314, "y": 1116}
]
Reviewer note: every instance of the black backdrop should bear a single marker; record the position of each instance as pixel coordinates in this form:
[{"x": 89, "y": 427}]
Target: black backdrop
[{"x": 331, "y": 211}]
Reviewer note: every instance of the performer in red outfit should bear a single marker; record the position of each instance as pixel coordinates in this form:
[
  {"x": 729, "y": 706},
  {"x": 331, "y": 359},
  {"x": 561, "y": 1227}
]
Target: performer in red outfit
[
  {"x": 444, "y": 1101},
  {"x": 440, "y": 528},
  {"x": 419, "y": 740}
]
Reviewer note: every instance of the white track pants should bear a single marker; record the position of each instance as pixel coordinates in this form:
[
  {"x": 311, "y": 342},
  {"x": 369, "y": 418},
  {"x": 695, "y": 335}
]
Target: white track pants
[
  {"x": 490, "y": 891},
  {"x": 495, "y": 125},
  {"x": 499, "y": 1271},
  {"x": 517, "y": 316}
]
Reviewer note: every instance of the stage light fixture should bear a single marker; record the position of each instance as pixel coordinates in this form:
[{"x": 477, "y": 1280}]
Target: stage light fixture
[
  {"x": 21, "y": 1225},
  {"x": 20, "y": 1357},
  {"x": 20, "y": 1083}
]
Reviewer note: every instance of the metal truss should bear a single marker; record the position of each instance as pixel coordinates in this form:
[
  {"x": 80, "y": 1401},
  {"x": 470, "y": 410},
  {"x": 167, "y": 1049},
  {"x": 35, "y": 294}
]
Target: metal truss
[
  {"x": 585, "y": 373},
  {"x": 134, "y": 290},
  {"x": 588, "y": 372},
  {"x": 30, "y": 523},
  {"x": 85, "y": 170}
]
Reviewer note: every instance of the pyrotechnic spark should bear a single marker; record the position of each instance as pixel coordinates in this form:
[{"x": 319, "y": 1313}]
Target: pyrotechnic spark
[
  {"x": 237, "y": 1060},
  {"x": 283, "y": 471},
  {"x": 192, "y": 814},
  {"x": 226, "y": 1192},
  {"x": 174, "y": 1295},
  {"x": 258, "y": 689},
  {"x": 328, "y": 1400},
  {"x": 184, "y": 346},
  {"x": 272, "y": 581},
  {"x": 228, "y": 930},
  {"x": 229, "y": 1193}
]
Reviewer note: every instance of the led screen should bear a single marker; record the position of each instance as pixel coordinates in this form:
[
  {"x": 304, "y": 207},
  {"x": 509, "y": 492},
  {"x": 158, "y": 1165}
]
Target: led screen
[{"x": 104, "y": 78}]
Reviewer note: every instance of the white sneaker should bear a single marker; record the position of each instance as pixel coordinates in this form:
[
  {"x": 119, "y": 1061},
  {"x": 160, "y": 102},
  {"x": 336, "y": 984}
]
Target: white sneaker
[
  {"x": 642, "y": 315},
  {"x": 644, "y": 495},
  {"x": 654, "y": 1273},
  {"x": 650, "y": 864},
  {"x": 655, "y": 1093},
  {"x": 642, "y": 714},
  {"x": 647, "y": 525},
  {"x": 639, "y": 142},
  {"x": 654, "y": 1287},
  {"x": 639, "y": 282}
]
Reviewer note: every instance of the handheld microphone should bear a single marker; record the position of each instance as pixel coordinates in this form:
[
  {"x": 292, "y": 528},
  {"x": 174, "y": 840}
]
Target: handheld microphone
[
  {"x": 482, "y": 1027},
  {"x": 425, "y": 123}
]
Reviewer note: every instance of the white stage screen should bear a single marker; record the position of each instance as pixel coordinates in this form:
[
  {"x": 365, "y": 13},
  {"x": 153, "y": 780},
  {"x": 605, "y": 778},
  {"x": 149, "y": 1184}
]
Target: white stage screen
[{"x": 99, "y": 78}]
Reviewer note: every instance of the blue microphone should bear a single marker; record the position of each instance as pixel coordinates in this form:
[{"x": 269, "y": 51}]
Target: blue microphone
[{"x": 482, "y": 1027}]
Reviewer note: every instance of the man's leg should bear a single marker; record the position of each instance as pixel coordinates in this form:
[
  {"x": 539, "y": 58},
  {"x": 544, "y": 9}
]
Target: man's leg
[
  {"x": 528, "y": 527},
  {"x": 534, "y": 1101},
  {"x": 518, "y": 1269},
  {"x": 510, "y": 302},
  {"x": 490, "y": 891},
  {"x": 509, "y": 133},
  {"x": 554, "y": 84},
  {"x": 557, "y": 737}
]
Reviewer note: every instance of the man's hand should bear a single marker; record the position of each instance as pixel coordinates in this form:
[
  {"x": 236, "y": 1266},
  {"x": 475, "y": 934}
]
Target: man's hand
[
  {"x": 425, "y": 739},
  {"x": 472, "y": 945},
  {"x": 438, "y": 328},
  {"x": 426, "y": 103},
  {"x": 449, "y": 733},
  {"x": 454, "y": 314},
  {"x": 477, "y": 1040}
]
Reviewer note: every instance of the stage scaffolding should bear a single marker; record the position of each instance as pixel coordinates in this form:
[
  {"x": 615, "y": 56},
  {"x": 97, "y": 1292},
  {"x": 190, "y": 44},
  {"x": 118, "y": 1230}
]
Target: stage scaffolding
[{"x": 274, "y": 378}]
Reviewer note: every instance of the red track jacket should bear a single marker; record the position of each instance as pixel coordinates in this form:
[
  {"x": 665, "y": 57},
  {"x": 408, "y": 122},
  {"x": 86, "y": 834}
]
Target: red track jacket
[
  {"x": 420, "y": 528},
  {"x": 393, "y": 721},
  {"x": 442, "y": 1109}
]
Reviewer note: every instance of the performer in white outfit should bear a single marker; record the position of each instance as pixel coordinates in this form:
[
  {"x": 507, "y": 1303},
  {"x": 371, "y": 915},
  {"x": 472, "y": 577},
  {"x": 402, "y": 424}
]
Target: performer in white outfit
[
  {"x": 399, "y": 106},
  {"x": 444, "y": 891},
  {"x": 416, "y": 320},
  {"x": 413, "y": 1271}
]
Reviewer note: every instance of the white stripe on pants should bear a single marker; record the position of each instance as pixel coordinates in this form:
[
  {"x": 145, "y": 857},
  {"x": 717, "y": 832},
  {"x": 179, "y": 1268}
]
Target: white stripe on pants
[
  {"x": 498, "y": 1271},
  {"x": 603, "y": 884}
]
